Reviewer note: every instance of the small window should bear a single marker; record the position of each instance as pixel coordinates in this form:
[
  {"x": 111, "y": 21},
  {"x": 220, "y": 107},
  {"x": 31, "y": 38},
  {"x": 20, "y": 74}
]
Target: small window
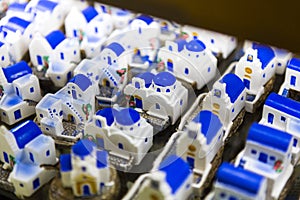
[
  {"x": 212, "y": 41},
  {"x": 48, "y": 153},
  {"x": 232, "y": 110},
  {"x": 167, "y": 90},
  {"x": 31, "y": 157},
  {"x": 5, "y": 157},
  {"x": 282, "y": 118},
  {"x": 4, "y": 113},
  {"x": 31, "y": 90},
  {"x": 242, "y": 98},
  {"x": 120, "y": 145},
  {"x": 157, "y": 106},
  {"x": 181, "y": 102},
  {"x": 61, "y": 113},
  {"x": 41, "y": 115},
  {"x": 217, "y": 93},
  {"x": 62, "y": 57},
  {"x": 293, "y": 80},
  {"x": 208, "y": 69},
  {"x": 96, "y": 29},
  {"x": 264, "y": 75},
  {"x": 158, "y": 90},
  {"x": 17, "y": 114},
  {"x": 21, "y": 185},
  {"x": 270, "y": 118},
  {"x": 137, "y": 85},
  {"x": 146, "y": 140},
  {"x": 222, "y": 195},
  {"x": 186, "y": 71},
  {"x": 36, "y": 183},
  {"x": 295, "y": 142},
  {"x": 219, "y": 137},
  {"x": 253, "y": 151},
  {"x": 279, "y": 64},
  {"x": 74, "y": 52},
  {"x": 2, "y": 58},
  {"x": 39, "y": 60},
  {"x": 272, "y": 158},
  {"x": 232, "y": 198},
  {"x": 83, "y": 169},
  {"x": 170, "y": 48}
]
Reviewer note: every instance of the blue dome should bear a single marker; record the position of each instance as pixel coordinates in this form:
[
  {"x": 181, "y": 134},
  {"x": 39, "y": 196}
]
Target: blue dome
[
  {"x": 164, "y": 79},
  {"x": 127, "y": 116},
  {"x": 195, "y": 45},
  {"x": 148, "y": 77},
  {"x": 83, "y": 148},
  {"x": 108, "y": 114}
]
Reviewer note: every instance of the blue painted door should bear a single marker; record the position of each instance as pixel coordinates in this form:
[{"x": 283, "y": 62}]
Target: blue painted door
[
  {"x": 109, "y": 60},
  {"x": 74, "y": 94},
  {"x": 270, "y": 118},
  {"x": 39, "y": 60},
  {"x": 86, "y": 190},
  {"x": 5, "y": 157},
  {"x": 191, "y": 161},
  {"x": 247, "y": 83},
  {"x": 139, "y": 103},
  {"x": 263, "y": 157},
  {"x": 293, "y": 80}
]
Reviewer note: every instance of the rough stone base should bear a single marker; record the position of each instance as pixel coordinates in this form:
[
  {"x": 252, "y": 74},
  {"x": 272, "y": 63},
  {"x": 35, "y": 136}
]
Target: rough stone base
[{"x": 236, "y": 124}]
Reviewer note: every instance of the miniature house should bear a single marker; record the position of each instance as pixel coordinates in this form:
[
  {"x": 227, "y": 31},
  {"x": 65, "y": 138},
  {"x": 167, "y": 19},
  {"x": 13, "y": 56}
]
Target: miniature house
[
  {"x": 24, "y": 148},
  {"x": 166, "y": 183},
  {"x": 268, "y": 153},
  {"x": 291, "y": 84},
  {"x": 17, "y": 34},
  {"x": 237, "y": 183},
  {"x": 160, "y": 95},
  {"x": 226, "y": 99},
  {"x": 53, "y": 47},
  {"x": 4, "y": 59},
  {"x": 74, "y": 103},
  {"x": 21, "y": 93},
  {"x": 121, "y": 17},
  {"x": 17, "y": 9},
  {"x": 114, "y": 54},
  {"x": 88, "y": 22},
  {"x": 201, "y": 142},
  {"x": 256, "y": 68},
  {"x": 220, "y": 44},
  {"x": 189, "y": 60},
  {"x": 282, "y": 113},
  {"x": 85, "y": 169},
  {"x": 122, "y": 132}
]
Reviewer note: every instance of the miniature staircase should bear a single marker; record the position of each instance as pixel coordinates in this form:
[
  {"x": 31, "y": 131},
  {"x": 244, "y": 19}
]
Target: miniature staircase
[
  {"x": 110, "y": 76},
  {"x": 74, "y": 111}
]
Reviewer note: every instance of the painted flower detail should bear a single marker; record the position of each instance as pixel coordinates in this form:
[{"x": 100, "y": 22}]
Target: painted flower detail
[
  {"x": 278, "y": 166},
  {"x": 86, "y": 108}
]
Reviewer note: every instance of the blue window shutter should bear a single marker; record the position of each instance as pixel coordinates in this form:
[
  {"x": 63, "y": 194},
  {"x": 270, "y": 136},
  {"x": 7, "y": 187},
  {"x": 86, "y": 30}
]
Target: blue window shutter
[{"x": 17, "y": 114}]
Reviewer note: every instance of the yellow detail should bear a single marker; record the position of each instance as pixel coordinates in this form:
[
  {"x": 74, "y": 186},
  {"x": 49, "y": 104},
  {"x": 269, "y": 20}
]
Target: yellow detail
[
  {"x": 216, "y": 106},
  {"x": 247, "y": 76},
  {"x": 215, "y": 112},
  {"x": 195, "y": 34},
  {"x": 248, "y": 70}
]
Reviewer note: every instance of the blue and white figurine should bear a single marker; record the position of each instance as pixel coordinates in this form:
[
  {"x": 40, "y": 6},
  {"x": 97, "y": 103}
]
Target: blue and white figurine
[
  {"x": 237, "y": 183},
  {"x": 172, "y": 180},
  {"x": 256, "y": 69},
  {"x": 268, "y": 152},
  {"x": 189, "y": 60},
  {"x": 86, "y": 170},
  {"x": 21, "y": 93},
  {"x": 24, "y": 149},
  {"x": 284, "y": 114},
  {"x": 123, "y": 132}
]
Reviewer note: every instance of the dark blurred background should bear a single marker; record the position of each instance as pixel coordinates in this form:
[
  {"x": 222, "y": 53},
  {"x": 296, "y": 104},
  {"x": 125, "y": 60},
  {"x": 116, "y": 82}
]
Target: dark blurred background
[{"x": 272, "y": 22}]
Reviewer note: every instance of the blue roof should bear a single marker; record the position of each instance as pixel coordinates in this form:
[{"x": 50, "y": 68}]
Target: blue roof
[
  {"x": 82, "y": 81},
  {"x": 240, "y": 178},
  {"x": 101, "y": 159},
  {"x": 148, "y": 77},
  {"x": 177, "y": 171},
  {"x": 195, "y": 45},
  {"x": 89, "y": 13},
  {"x": 210, "y": 124},
  {"x": 83, "y": 147},
  {"x": 234, "y": 86},
  {"x": 54, "y": 38},
  {"x": 116, "y": 47},
  {"x": 17, "y": 6},
  {"x": 108, "y": 114},
  {"x": 127, "y": 116},
  {"x": 270, "y": 137},
  {"x": 294, "y": 64},
  {"x": 16, "y": 71},
  {"x": 181, "y": 43},
  {"x": 65, "y": 162},
  {"x": 284, "y": 104},
  {"x": 25, "y": 132},
  {"x": 264, "y": 53},
  {"x": 164, "y": 79},
  {"x": 16, "y": 23},
  {"x": 147, "y": 19},
  {"x": 45, "y": 5}
]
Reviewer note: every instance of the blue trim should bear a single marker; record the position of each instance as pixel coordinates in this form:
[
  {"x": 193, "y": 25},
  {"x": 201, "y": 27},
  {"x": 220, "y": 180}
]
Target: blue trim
[
  {"x": 55, "y": 38},
  {"x": 101, "y": 159},
  {"x": 195, "y": 45},
  {"x": 25, "y": 132},
  {"x": 89, "y": 13},
  {"x": 17, "y": 6},
  {"x": 65, "y": 163},
  {"x": 164, "y": 79},
  {"x": 270, "y": 137},
  {"x": 147, "y": 19},
  {"x": 294, "y": 64},
  {"x": 117, "y": 48},
  {"x": 147, "y": 77},
  {"x": 108, "y": 114},
  {"x": 177, "y": 171},
  {"x": 83, "y": 148},
  {"x": 264, "y": 53},
  {"x": 234, "y": 86},
  {"x": 210, "y": 124},
  {"x": 16, "y": 23},
  {"x": 45, "y": 5},
  {"x": 81, "y": 81},
  {"x": 239, "y": 178},
  {"x": 127, "y": 116},
  {"x": 284, "y": 104},
  {"x": 16, "y": 71}
]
